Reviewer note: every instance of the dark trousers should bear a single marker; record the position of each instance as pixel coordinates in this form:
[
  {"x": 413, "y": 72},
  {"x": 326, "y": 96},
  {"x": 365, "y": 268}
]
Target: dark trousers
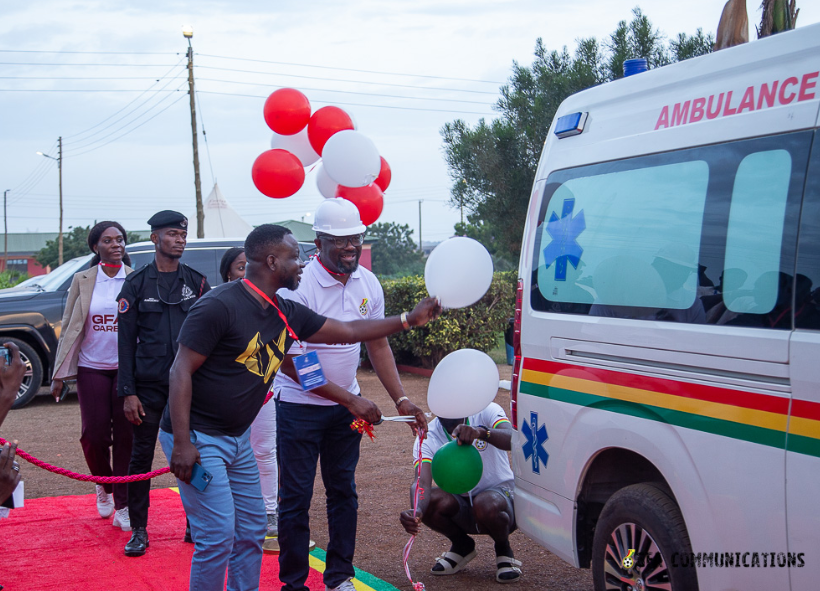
[
  {"x": 142, "y": 460},
  {"x": 106, "y": 433},
  {"x": 305, "y": 433}
]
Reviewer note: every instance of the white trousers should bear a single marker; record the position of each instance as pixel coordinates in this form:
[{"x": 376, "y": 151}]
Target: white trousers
[{"x": 263, "y": 442}]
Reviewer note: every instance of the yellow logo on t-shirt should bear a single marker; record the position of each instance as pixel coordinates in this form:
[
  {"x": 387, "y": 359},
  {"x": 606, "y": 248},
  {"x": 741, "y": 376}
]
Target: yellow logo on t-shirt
[
  {"x": 363, "y": 307},
  {"x": 262, "y": 359}
]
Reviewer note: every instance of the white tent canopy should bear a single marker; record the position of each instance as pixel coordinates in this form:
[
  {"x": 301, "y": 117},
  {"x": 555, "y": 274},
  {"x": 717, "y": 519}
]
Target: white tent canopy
[{"x": 221, "y": 221}]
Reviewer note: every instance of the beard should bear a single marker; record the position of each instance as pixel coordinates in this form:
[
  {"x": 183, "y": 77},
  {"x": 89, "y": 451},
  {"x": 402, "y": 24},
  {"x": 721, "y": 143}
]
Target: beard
[
  {"x": 348, "y": 268},
  {"x": 292, "y": 283}
]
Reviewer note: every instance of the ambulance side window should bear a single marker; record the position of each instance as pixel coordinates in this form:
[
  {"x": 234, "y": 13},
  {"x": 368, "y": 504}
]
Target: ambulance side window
[
  {"x": 807, "y": 285},
  {"x": 700, "y": 236}
]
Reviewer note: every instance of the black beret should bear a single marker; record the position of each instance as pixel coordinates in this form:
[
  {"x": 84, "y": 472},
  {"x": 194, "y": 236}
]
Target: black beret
[{"x": 168, "y": 219}]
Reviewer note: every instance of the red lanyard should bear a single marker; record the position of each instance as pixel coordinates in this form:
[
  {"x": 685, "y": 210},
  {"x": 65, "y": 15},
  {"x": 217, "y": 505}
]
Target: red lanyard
[
  {"x": 319, "y": 260},
  {"x": 272, "y": 303},
  {"x": 110, "y": 266}
]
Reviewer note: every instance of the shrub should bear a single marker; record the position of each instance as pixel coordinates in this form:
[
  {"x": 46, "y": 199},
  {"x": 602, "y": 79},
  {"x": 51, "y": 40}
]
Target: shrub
[
  {"x": 11, "y": 278},
  {"x": 475, "y": 327}
]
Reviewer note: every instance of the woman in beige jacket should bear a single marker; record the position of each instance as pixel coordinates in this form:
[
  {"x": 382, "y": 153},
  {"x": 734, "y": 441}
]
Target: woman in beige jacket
[{"x": 88, "y": 351}]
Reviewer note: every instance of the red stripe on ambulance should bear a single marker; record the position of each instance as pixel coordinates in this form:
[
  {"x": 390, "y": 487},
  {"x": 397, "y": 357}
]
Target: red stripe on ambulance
[{"x": 765, "y": 95}]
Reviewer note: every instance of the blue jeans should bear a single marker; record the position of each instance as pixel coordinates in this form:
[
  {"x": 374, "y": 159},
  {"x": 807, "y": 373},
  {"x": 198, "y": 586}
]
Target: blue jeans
[
  {"x": 306, "y": 432},
  {"x": 227, "y": 519}
]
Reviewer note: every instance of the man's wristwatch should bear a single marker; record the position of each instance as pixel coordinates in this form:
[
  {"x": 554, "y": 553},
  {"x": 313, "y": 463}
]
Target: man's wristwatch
[
  {"x": 486, "y": 436},
  {"x": 400, "y": 400}
]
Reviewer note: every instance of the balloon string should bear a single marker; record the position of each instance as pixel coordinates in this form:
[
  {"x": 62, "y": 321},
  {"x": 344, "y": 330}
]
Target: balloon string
[{"x": 418, "y": 493}]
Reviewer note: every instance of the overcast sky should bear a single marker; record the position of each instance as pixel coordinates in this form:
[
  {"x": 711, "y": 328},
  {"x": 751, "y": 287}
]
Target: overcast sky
[{"x": 401, "y": 68}]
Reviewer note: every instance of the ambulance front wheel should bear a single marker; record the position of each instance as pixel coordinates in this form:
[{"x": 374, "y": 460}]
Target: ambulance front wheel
[{"x": 641, "y": 543}]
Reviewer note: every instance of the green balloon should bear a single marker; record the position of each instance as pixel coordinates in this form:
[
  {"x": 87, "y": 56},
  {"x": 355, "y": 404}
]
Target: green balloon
[{"x": 457, "y": 468}]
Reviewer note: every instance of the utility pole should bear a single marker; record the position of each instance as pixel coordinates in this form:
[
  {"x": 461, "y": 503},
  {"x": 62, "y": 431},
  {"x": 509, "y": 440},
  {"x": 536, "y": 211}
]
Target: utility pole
[
  {"x": 188, "y": 32},
  {"x": 60, "y": 175},
  {"x": 421, "y": 247},
  {"x": 5, "y": 233},
  {"x": 59, "y": 160}
]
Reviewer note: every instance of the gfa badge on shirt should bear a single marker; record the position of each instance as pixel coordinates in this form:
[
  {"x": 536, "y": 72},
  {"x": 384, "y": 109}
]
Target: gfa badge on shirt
[{"x": 309, "y": 370}]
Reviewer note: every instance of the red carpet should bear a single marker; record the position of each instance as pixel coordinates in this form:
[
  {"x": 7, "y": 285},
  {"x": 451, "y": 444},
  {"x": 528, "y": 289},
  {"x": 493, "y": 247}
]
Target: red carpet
[{"x": 61, "y": 543}]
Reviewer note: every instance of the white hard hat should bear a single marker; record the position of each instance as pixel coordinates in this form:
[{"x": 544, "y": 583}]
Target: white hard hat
[{"x": 338, "y": 217}]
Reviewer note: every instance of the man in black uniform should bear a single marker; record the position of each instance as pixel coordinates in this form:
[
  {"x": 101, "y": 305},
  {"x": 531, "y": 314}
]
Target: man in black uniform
[{"x": 153, "y": 303}]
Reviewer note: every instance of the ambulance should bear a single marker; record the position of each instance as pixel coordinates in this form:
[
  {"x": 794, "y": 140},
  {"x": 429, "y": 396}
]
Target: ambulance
[{"x": 666, "y": 385}]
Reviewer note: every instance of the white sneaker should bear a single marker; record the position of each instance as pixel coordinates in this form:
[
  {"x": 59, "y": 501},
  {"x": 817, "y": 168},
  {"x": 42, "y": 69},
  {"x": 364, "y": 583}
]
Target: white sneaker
[
  {"x": 105, "y": 504},
  {"x": 122, "y": 519},
  {"x": 346, "y": 586}
]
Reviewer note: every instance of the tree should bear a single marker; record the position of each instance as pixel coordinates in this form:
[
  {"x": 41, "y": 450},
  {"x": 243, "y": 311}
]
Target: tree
[
  {"x": 778, "y": 16},
  {"x": 75, "y": 244},
  {"x": 493, "y": 164},
  {"x": 394, "y": 254}
]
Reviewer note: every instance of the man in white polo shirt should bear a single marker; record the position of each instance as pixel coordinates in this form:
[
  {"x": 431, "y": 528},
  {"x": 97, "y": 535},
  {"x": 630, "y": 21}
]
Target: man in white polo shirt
[{"x": 317, "y": 423}]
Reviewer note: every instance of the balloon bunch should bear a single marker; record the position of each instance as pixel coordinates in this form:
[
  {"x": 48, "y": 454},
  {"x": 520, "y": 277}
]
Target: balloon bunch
[{"x": 351, "y": 166}]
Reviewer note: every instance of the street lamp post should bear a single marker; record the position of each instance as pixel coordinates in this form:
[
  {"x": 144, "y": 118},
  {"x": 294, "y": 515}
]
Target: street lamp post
[
  {"x": 188, "y": 32},
  {"x": 59, "y": 160}
]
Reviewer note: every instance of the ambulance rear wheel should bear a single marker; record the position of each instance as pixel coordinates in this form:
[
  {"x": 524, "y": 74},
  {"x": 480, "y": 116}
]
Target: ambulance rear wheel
[{"x": 643, "y": 518}]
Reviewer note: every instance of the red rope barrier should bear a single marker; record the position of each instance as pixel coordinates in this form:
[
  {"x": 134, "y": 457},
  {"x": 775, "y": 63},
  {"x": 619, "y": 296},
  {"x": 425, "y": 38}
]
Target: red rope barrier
[{"x": 86, "y": 477}]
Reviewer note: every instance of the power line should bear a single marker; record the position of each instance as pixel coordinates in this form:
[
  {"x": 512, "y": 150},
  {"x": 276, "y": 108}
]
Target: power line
[
  {"x": 129, "y": 113},
  {"x": 417, "y": 98},
  {"x": 182, "y": 96},
  {"x": 205, "y": 137},
  {"x": 37, "y": 168},
  {"x": 89, "y": 52},
  {"x": 79, "y": 78},
  {"x": 33, "y": 182},
  {"x": 244, "y": 59},
  {"x": 344, "y": 80},
  {"x": 72, "y": 90},
  {"x": 130, "y": 103},
  {"x": 357, "y": 104},
  {"x": 85, "y": 64}
]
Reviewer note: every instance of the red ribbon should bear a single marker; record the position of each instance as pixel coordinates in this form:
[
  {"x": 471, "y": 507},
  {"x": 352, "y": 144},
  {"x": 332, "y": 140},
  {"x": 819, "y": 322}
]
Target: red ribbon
[
  {"x": 272, "y": 303},
  {"x": 418, "y": 493},
  {"x": 363, "y": 427}
]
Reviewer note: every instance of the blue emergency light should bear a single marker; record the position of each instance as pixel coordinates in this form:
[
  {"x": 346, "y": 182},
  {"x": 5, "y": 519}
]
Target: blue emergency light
[{"x": 572, "y": 124}]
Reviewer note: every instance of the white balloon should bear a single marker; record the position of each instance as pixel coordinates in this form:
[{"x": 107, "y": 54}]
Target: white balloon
[
  {"x": 297, "y": 144},
  {"x": 351, "y": 159},
  {"x": 458, "y": 272},
  {"x": 326, "y": 185},
  {"x": 463, "y": 384}
]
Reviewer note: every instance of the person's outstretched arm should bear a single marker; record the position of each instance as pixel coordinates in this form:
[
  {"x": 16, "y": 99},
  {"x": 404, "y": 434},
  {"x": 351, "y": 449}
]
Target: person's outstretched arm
[{"x": 357, "y": 331}]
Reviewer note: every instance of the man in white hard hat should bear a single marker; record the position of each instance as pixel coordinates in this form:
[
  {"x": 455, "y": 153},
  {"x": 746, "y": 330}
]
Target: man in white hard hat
[{"x": 317, "y": 423}]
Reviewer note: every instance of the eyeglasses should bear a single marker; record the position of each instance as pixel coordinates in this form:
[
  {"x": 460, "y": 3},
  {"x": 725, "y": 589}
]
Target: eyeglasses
[{"x": 342, "y": 241}]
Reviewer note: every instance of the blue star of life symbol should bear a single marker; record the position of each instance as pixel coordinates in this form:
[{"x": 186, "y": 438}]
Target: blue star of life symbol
[
  {"x": 534, "y": 445},
  {"x": 564, "y": 247}
]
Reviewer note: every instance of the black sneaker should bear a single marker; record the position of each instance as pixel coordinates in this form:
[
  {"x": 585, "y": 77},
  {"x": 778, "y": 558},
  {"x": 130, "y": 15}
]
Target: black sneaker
[{"x": 138, "y": 543}]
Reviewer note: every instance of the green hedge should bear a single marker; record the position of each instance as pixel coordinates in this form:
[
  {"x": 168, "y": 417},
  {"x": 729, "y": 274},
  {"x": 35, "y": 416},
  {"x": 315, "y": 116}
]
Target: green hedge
[{"x": 475, "y": 327}]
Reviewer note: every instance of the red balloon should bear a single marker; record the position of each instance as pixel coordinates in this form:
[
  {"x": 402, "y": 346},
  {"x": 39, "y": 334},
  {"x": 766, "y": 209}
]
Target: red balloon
[
  {"x": 278, "y": 173},
  {"x": 369, "y": 199},
  {"x": 324, "y": 123},
  {"x": 385, "y": 174},
  {"x": 287, "y": 111}
]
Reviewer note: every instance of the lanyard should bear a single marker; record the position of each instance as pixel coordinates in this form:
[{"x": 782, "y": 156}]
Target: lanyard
[
  {"x": 449, "y": 438},
  {"x": 328, "y": 270},
  {"x": 272, "y": 303}
]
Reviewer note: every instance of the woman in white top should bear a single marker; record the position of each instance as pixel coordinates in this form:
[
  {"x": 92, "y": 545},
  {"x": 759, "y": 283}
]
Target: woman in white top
[{"x": 88, "y": 350}]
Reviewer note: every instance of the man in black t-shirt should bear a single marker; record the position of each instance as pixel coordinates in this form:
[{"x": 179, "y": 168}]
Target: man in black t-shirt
[{"x": 230, "y": 347}]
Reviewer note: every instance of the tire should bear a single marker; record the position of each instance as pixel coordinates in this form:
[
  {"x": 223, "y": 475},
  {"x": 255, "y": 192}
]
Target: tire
[
  {"x": 33, "y": 378},
  {"x": 642, "y": 517}
]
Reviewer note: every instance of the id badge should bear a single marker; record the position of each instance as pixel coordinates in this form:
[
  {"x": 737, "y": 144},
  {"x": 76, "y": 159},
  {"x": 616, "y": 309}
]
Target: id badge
[{"x": 309, "y": 370}]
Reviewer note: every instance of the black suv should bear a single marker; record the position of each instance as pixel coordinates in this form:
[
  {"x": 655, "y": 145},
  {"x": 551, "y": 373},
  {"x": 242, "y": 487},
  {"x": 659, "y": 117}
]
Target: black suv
[{"x": 31, "y": 313}]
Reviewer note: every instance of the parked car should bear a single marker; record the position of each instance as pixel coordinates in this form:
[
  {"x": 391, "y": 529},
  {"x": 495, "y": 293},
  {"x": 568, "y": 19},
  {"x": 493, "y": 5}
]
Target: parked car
[{"x": 31, "y": 313}]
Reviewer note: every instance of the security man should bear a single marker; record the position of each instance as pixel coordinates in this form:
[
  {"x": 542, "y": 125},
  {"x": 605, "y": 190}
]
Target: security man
[{"x": 153, "y": 303}]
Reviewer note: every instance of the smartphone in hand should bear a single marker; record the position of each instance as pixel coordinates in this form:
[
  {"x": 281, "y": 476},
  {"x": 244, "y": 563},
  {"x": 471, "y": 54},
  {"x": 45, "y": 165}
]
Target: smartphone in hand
[{"x": 200, "y": 477}]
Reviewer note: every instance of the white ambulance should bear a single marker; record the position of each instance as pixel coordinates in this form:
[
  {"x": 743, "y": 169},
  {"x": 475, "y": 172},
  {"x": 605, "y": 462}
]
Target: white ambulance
[{"x": 666, "y": 388}]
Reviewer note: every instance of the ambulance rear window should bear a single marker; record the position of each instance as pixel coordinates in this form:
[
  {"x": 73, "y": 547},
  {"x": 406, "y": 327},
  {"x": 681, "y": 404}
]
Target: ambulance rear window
[{"x": 704, "y": 235}]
